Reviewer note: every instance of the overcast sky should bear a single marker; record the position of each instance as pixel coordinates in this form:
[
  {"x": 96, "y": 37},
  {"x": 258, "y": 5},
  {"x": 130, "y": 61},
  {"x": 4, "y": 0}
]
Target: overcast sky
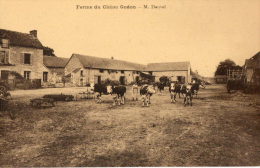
[{"x": 203, "y": 32}]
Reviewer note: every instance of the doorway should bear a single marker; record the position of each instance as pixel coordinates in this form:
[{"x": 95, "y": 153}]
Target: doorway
[{"x": 122, "y": 80}]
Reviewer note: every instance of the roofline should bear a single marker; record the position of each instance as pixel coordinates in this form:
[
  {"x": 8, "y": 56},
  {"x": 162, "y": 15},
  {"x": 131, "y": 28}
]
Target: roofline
[
  {"x": 11, "y": 45},
  {"x": 53, "y": 66},
  {"x": 72, "y": 55},
  {"x": 169, "y": 62},
  {"x": 112, "y": 69},
  {"x": 165, "y": 70},
  {"x": 21, "y": 45}
]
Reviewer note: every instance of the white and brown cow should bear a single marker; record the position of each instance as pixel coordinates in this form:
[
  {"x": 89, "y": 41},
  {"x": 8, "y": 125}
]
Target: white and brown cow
[
  {"x": 146, "y": 91},
  {"x": 118, "y": 92}
]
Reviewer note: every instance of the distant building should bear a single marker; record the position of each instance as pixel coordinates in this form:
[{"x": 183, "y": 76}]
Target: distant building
[
  {"x": 54, "y": 70},
  {"x": 221, "y": 79},
  {"x": 20, "y": 53},
  {"x": 88, "y": 69},
  {"x": 176, "y": 71},
  {"x": 251, "y": 70}
]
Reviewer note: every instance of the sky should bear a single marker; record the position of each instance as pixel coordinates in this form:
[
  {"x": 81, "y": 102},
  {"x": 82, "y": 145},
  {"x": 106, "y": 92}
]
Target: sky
[{"x": 203, "y": 32}]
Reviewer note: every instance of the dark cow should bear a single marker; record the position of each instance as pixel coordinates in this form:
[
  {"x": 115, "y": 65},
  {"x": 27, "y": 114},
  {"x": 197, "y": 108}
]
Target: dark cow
[
  {"x": 160, "y": 86},
  {"x": 118, "y": 91},
  {"x": 146, "y": 91},
  {"x": 195, "y": 89}
]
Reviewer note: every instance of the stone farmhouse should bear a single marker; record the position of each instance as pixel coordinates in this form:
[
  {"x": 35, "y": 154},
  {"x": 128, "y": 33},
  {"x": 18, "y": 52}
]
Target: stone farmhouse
[
  {"x": 88, "y": 69},
  {"x": 176, "y": 71},
  {"x": 21, "y": 53}
]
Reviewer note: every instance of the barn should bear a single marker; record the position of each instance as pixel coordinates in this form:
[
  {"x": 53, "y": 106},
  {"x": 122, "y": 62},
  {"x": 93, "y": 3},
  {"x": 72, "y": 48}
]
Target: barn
[
  {"x": 85, "y": 69},
  {"x": 251, "y": 70},
  {"x": 175, "y": 71},
  {"x": 54, "y": 70}
]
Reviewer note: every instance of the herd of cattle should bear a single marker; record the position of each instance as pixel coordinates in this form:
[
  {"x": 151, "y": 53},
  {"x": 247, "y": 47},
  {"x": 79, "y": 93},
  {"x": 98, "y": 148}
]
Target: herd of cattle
[{"x": 145, "y": 91}]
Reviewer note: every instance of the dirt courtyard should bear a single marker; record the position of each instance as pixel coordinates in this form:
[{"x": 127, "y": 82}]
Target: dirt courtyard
[{"x": 220, "y": 129}]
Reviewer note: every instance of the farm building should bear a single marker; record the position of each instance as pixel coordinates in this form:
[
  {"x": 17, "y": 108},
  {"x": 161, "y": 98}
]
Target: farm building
[
  {"x": 20, "y": 53},
  {"x": 88, "y": 69},
  {"x": 251, "y": 70},
  {"x": 176, "y": 71},
  {"x": 221, "y": 79},
  {"x": 54, "y": 70}
]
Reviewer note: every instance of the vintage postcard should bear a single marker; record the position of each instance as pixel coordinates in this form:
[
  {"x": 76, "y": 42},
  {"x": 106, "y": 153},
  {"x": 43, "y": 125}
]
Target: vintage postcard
[{"x": 129, "y": 83}]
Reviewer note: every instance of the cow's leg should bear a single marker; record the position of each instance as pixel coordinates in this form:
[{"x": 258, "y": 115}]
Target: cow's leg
[
  {"x": 98, "y": 98},
  {"x": 179, "y": 95},
  {"x": 171, "y": 97},
  {"x": 119, "y": 98},
  {"x": 114, "y": 100},
  {"x": 147, "y": 100},
  {"x": 184, "y": 100},
  {"x": 143, "y": 100},
  {"x": 123, "y": 99},
  {"x": 174, "y": 97}
]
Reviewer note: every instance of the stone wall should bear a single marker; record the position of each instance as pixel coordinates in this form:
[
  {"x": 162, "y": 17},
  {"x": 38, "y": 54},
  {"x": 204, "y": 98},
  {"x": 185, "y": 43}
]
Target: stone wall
[
  {"x": 17, "y": 64},
  {"x": 173, "y": 75}
]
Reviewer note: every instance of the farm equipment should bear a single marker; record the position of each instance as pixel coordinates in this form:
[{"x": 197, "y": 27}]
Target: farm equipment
[
  {"x": 59, "y": 97},
  {"x": 42, "y": 102},
  {"x": 50, "y": 99}
]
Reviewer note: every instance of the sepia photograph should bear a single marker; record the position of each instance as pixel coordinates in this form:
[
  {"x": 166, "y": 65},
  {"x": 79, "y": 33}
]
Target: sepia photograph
[{"x": 129, "y": 83}]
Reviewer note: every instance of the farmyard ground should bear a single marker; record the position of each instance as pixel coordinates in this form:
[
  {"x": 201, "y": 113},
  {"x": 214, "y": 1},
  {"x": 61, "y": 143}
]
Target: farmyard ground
[{"x": 220, "y": 129}]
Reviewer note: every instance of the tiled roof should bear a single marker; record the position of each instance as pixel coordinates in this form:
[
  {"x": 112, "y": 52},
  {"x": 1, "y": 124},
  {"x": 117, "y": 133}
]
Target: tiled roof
[
  {"x": 253, "y": 62},
  {"x": 20, "y": 39},
  {"x": 168, "y": 66},
  {"x": 105, "y": 63},
  {"x": 55, "y": 62}
]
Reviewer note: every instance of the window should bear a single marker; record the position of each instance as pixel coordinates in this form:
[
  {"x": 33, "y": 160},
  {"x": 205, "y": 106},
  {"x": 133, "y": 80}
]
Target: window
[
  {"x": 81, "y": 73},
  {"x": 27, "y": 58},
  {"x": 4, "y": 75},
  {"x": 122, "y": 71},
  {"x": 101, "y": 70},
  {"x": 27, "y": 74},
  {"x": 5, "y": 43},
  {"x": 4, "y": 57},
  {"x": 45, "y": 76}
]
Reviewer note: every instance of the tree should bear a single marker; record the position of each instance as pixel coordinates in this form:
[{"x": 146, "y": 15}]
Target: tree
[
  {"x": 223, "y": 66},
  {"x": 48, "y": 51}
]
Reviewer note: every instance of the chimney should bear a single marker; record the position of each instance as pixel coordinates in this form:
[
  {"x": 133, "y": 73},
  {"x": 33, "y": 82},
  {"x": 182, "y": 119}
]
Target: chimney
[
  {"x": 33, "y": 33},
  {"x": 112, "y": 58}
]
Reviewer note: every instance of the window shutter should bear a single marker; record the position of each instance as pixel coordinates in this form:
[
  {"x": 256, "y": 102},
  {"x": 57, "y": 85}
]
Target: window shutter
[
  {"x": 22, "y": 58},
  {"x": 31, "y": 61},
  {"x": 6, "y": 57}
]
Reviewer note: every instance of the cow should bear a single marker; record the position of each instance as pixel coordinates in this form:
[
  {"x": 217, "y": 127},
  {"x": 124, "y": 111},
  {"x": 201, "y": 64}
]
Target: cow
[
  {"x": 188, "y": 96},
  {"x": 146, "y": 91},
  {"x": 160, "y": 86},
  {"x": 174, "y": 89},
  {"x": 195, "y": 89},
  {"x": 107, "y": 89}
]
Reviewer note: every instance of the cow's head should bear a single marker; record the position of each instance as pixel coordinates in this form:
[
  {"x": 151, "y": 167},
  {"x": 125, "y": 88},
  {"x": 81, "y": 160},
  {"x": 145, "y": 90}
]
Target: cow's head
[
  {"x": 109, "y": 89},
  {"x": 151, "y": 89},
  {"x": 188, "y": 88},
  {"x": 172, "y": 85}
]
